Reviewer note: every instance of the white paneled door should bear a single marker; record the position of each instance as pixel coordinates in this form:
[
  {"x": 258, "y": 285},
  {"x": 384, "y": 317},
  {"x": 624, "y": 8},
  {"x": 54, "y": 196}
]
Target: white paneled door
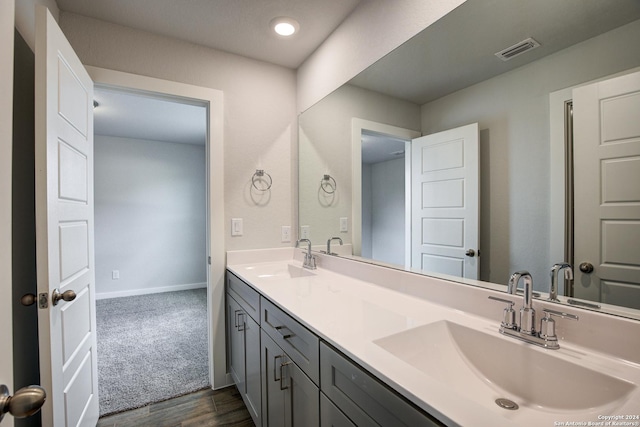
[
  {"x": 607, "y": 191},
  {"x": 6, "y": 119},
  {"x": 64, "y": 229},
  {"x": 445, "y": 191}
]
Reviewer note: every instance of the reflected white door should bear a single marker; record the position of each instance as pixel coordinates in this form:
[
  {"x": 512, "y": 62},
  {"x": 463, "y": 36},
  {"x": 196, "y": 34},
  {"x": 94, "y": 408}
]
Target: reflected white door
[
  {"x": 607, "y": 190},
  {"x": 64, "y": 229},
  {"x": 445, "y": 191}
]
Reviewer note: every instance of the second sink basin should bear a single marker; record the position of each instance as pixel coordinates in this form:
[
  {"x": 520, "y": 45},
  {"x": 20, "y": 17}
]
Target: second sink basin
[
  {"x": 279, "y": 270},
  {"x": 485, "y": 367}
]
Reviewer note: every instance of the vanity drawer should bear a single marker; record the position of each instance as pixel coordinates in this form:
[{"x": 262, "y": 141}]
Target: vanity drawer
[
  {"x": 245, "y": 295},
  {"x": 331, "y": 416},
  {"x": 364, "y": 399},
  {"x": 298, "y": 342}
]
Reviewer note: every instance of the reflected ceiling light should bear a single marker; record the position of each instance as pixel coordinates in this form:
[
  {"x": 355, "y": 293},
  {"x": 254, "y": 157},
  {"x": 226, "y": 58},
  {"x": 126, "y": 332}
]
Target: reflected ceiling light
[{"x": 285, "y": 26}]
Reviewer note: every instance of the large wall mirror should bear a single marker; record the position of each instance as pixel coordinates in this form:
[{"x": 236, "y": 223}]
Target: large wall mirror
[{"x": 358, "y": 149}]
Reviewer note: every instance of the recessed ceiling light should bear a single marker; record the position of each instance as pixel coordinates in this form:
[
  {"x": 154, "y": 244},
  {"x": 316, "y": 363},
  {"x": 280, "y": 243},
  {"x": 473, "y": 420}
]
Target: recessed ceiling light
[{"x": 285, "y": 26}]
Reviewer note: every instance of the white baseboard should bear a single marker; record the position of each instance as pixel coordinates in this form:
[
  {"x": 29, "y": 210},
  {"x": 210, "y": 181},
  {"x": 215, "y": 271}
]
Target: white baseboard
[{"x": 134, "y": 292}]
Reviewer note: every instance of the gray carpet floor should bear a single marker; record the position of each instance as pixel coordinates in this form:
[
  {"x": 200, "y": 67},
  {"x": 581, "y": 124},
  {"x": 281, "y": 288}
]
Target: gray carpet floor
[{"x": 151, "y": 348}]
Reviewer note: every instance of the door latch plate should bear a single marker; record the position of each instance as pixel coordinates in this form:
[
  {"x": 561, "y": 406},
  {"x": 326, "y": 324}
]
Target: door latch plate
[{"x": 43, "y": 300}]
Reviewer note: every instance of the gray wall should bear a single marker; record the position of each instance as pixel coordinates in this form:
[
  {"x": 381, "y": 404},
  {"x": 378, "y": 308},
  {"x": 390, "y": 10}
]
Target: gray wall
[
  {"x": 260, "y": 130},
  {"x": 513, "y": 112},
  {"x": 325, "y": 147},
  {"x": 150, "y": 205},
  {"x": 388, "y": 206}
]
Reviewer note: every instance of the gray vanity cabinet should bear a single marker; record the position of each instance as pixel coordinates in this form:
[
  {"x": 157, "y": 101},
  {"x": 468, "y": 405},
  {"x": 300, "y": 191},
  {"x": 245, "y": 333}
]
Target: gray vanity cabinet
[
  {"x": 243, "y": 332},
  {"x": 288, "y": 377},
  {"x": 363, "y": 399},
  {"x": 289, "y": 397}
]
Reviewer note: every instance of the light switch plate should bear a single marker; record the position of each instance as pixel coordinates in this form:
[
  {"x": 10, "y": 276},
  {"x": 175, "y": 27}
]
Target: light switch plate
[
  {"x": 344, "y": 225},
  {"x": 236, "y": 226},
  {"x": 115, "y": 274}
]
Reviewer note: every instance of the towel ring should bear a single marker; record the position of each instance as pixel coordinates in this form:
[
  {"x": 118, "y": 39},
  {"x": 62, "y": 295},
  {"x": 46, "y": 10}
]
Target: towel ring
[
  {"x": 260, "y": 176},
  {"x": 328, "y": 182}
]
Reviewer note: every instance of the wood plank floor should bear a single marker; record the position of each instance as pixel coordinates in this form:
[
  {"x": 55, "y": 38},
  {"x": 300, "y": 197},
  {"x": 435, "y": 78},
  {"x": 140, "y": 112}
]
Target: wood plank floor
[{"x": 200, "y": 409}]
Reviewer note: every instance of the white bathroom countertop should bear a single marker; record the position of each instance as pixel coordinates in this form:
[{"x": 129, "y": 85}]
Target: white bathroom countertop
[{"x": 352, "y": 314}]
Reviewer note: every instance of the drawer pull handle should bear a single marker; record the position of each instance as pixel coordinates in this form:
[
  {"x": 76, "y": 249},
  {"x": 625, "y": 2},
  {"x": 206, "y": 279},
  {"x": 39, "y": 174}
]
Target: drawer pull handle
[
  {"x": 282, "y": 365},
  {"x": 285, "y": 336}
]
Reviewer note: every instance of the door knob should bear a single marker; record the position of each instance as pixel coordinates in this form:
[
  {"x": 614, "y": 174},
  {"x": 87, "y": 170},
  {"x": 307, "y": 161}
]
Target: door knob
[
  {"x": 470, "y": 253},
  {"x": 56, "y": 296},
  {"x": 26, "y": 402},
  {"x": 28, "y": 299},
  {"x": 586, "y": 267}
]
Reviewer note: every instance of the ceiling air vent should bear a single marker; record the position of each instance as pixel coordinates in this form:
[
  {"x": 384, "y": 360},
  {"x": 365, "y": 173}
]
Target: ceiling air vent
[{"x": 517, "y": 49}]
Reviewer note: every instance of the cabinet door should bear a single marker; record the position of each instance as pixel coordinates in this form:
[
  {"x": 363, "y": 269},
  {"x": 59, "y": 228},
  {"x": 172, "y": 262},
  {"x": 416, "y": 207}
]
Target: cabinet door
[
  {"x": 302, "y": 398},
  {"x": 236, "y": 343},
  {"x": 252, "y": 369},
  {"x": 289, "y": 397},
  {"x": 273, "y": 397}
]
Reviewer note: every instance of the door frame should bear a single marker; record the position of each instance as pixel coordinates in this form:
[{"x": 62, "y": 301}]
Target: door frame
[
  {"x": 214, "y": 149},
  {"x": 357, "y": 126},
  {"x": 7, "y": 29}
]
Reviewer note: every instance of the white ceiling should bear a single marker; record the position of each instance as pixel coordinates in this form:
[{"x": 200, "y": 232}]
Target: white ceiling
[
  {"x": 377, "y": 147},
  {"x": 236, "y": 26},
  {"x": 458, "y": 50},
  {"x": 140, "y": 116}
]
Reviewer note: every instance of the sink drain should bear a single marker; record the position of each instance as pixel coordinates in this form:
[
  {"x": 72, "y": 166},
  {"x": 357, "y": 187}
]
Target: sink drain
[{"x": 507, "y": 404}]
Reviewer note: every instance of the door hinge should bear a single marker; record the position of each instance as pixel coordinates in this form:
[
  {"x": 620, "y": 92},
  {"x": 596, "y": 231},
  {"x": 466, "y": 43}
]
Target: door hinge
[
  {"x": 209, "y": 260},
  {"x": 43, "y": 300}
]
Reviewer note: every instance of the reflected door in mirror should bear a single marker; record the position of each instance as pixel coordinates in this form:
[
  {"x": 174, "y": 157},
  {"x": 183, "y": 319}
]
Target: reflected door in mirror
[
  {"x": 607, "y": 190},
  {"x": 445, "y": 202}
]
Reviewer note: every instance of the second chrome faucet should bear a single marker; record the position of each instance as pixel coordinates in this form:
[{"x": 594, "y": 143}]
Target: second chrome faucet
[{"x": 526, "y": 330}]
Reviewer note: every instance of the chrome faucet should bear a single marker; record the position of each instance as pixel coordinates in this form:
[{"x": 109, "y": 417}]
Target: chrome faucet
[
  {"x": 527, "y": 313},
  {"x": 555, "y": 270},
  {"x": 526, "y": 330},
  {"x": 309, "y": 260},
  {"x": 329, "y": 245}
]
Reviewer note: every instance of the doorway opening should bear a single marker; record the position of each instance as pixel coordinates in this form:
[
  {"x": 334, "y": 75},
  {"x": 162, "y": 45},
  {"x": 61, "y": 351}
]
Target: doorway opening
[
  {"x": 150, "y": 247},
  {"x": 385, "y": 180}
]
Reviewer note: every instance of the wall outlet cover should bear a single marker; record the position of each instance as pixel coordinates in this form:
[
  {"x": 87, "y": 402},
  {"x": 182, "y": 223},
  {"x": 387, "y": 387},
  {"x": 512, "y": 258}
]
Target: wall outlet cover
[
  {"x": 286, "y": 233},
  {"x": 305, "y": 232}
]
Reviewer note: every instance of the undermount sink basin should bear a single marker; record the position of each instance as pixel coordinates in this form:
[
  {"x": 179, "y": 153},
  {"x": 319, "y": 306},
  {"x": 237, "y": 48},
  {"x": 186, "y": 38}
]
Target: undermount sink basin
[
  {"x": 486, "y": 367},
  {"x": 280, "y": 270}
]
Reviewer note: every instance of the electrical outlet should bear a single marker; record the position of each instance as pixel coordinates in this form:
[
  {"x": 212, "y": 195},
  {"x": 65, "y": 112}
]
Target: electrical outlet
[
  {"x": 344, "y": 225},
  {"x": 305, "y": 232},
  {"x": 236, "y": 226},
  {"x": 286, "y": 233},
  {"x": 115, "y": 274}
]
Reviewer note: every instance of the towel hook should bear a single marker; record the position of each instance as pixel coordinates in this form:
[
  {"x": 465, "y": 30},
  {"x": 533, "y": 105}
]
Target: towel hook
[
  {"x": 327, "y": 182},
  {"x": 260, "y": 176}
]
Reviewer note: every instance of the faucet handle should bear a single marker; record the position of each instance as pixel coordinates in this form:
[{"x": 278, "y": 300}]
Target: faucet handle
[
  {"x": 508, "y": 314},
  {"x": 548, "y": 325},
  {"x": 549, "y": 312}
]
